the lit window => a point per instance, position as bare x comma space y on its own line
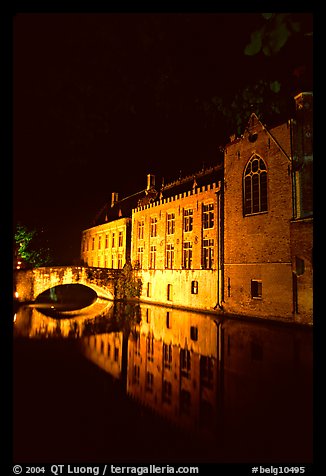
141, 225
187, 254
152, 257
208, 254
169, 292
187, 220
120, 239
170, 223
208, 215
194, 287
153, 227
140, 254
255, 186
169, 256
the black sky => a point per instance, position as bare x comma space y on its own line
101, 100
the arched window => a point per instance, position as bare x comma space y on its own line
255, 186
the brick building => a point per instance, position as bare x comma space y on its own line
267, 226
107, 243
234, 238
175, 242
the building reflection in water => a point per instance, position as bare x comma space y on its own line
240, 384
173, 366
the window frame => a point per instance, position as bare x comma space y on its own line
255, 187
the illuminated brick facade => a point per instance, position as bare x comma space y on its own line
107, 245
175, 245
267, 243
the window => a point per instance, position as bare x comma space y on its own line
98, 262
106, 241
152, 257
112, 261
141, 225
120, 239
153, 227
137, 343
116, 354
140, 254
167, 356
194, 287
119, 261
113, 237
208, 254
169, 256
187, 220
170, 223
93, 243
208, 215
256, 289
99, 242
187, 255
169, 292
255, 186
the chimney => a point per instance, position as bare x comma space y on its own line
150, 181
114, 198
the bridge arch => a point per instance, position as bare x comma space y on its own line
31, 283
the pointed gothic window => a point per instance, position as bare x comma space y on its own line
255, 186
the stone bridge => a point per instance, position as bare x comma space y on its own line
30, 283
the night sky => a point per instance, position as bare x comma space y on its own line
101, 100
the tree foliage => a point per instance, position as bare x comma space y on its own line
29, 249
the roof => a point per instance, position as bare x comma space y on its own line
123, 208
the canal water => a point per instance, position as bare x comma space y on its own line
141, 384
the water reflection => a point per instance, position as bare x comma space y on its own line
243, 389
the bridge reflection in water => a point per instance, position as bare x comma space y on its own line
228, 390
